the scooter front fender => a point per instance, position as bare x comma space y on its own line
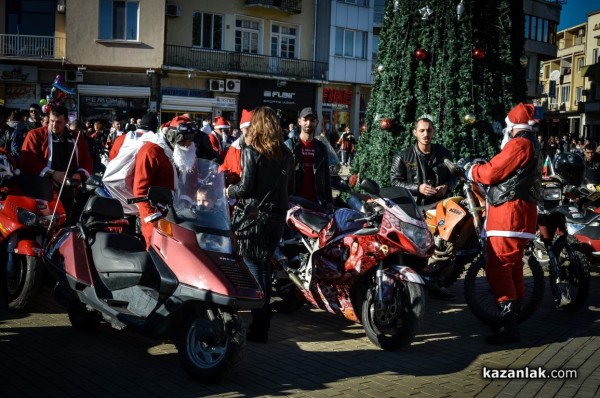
29, 247
404, 273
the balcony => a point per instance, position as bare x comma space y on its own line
24, 46
287, 6
220, 61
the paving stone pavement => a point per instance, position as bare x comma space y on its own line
310, 354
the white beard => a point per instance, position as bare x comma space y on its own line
185, 158
506, 131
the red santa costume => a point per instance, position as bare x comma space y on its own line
216, 140
232, 165
36, 153
510, 224
153, 167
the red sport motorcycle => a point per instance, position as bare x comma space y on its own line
187, 286
357, 265
29, 213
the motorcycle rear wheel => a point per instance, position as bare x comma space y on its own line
208, 349
480, 299
25, 282
396, 325
571, 290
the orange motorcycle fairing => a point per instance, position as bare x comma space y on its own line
454, 215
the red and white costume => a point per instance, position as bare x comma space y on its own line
36, 153
153, 167
510, 224
232, 163
216, 140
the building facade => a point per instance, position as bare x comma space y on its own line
570, 82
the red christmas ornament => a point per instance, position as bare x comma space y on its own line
385, 123
478, 53
421, 54
363, 128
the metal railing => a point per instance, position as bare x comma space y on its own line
26, 46
291, 6
219, 61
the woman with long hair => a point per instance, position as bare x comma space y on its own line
266, 166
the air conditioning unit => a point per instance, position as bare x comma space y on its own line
216, 85
74, 76
173, 10
233, 85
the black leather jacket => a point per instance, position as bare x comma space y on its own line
524, 183
261, 176
411, 168
320, 169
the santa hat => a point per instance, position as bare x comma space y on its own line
246, 117
521, 117
221, 123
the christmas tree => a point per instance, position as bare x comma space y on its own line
457, 62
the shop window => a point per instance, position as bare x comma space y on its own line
118, 20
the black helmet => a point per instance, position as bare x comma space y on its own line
185, 130
570, 167
149, 122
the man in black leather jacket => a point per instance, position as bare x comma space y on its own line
420, 167
311, 174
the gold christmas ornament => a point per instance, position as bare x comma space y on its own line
470, 118
380, 68
524, 60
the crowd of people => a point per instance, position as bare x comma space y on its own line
264, 165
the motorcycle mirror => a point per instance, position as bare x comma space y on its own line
160, 195
370, 186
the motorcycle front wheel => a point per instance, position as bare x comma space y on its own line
394, 324
23, 283
570, 287
208, 349
480, 299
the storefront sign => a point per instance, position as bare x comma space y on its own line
335, 97
18, 73
276, 94
226, 102
103, 101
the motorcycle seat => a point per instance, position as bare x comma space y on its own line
314, 221
119, 253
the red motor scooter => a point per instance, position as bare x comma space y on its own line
187, 287
358, 265
29, 213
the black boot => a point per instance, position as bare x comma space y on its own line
508, 332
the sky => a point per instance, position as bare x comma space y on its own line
576, 11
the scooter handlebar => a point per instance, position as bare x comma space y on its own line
131, 201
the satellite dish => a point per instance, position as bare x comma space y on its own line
555, 75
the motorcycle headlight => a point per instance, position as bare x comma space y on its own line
26, 217
215, 243
552, 194
421, 237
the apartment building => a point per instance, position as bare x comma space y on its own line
125, 57
571, 96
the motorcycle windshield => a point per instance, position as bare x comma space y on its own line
403, 199
200, 197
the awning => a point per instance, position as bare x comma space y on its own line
592, 72
192, 104
114, 91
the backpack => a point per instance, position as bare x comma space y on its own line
119, 173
